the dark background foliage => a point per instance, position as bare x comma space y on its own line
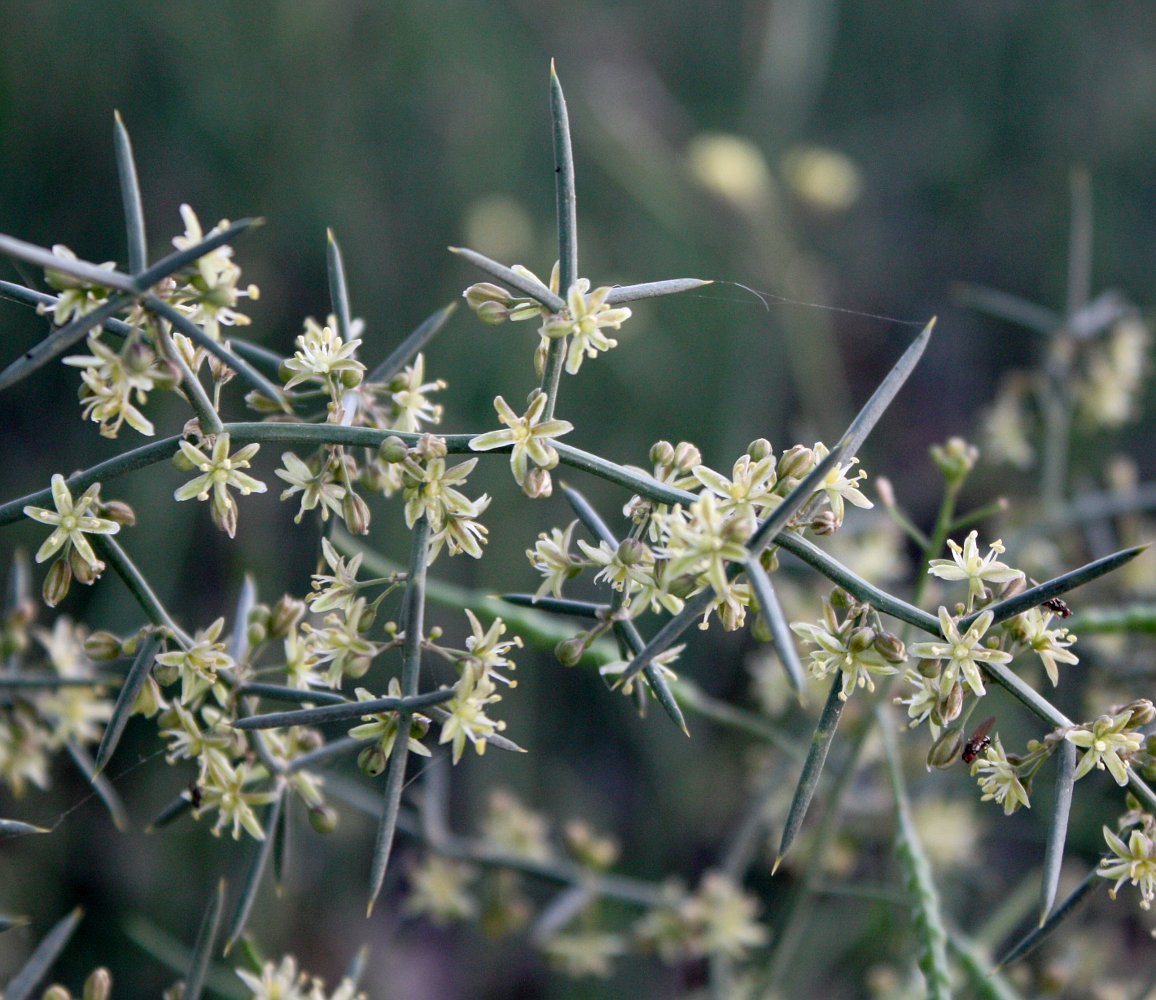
404, 127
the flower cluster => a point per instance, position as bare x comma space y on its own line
283, 981
116, 379
581, 323
861, 651
37, 723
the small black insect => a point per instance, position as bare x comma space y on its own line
1058, 607
978, 741
194, 791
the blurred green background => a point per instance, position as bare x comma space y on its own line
867, 157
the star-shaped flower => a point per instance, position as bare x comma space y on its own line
583, 320
963, 653
967, 564
530, 435
71, 521
219, 470
1134, 860
1107, 743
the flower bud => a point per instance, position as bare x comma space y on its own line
759, 449
102, 646
861, 638
891, 647
484, 292
120, 512
1143, 712
98, 986
760, 630
570, 651
682, 586
930, 668
631, 552
686, 456
148, 700
955, 459
355, 513
492, 313
323, 819
258, 401
662, 454
357, 667
795, 462
945, 749
371, 761
165, 673
56, 992
57, 583
392, 450
256, 633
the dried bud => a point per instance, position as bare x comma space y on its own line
83, 572
662, 454
224, 515
930, 668
826, 522
371, 761
285, 614
355, 513
430, 446
570, 651
538, 484
686, 456
98, 986
1013, 587
947, 709
759, 449
102, 646
57, 583
891, 647
795, 462
120, 512
945, 749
